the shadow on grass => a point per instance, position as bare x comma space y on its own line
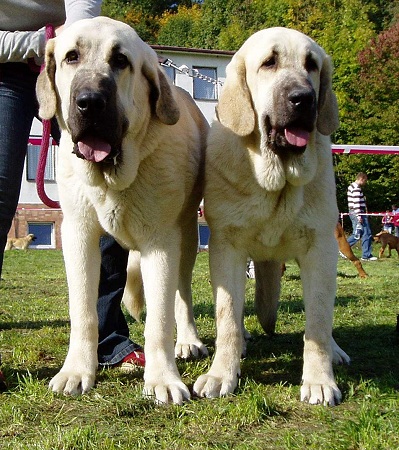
28, 325
373, 351
345, 275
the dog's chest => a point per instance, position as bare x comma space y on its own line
267, 224
122, 217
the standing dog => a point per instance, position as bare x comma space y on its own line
20, 243
130, 164
270, 195
387, 239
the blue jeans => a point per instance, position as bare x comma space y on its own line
365, 235
18, 106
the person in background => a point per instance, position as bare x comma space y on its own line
387, 222
395, 219
358, 215
22, 43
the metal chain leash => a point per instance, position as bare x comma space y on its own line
193, 73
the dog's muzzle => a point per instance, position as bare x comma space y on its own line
95, 123
295, 120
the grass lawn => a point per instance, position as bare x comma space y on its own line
264, 413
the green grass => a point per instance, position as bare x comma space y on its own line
264, 413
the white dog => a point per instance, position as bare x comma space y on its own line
130, 164
270, 195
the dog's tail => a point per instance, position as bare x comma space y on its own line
133, 295
8, 245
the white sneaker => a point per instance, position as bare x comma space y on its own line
372, 258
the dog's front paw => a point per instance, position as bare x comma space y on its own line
194, 349
173, 392
211, 386
321, 394
72, 383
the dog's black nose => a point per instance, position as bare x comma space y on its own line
302, 99
89, 102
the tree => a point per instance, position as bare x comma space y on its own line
373, 116
180, 28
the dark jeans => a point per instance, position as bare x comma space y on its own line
18, 106
365, 235
114, 343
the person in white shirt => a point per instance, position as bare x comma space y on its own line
357, 213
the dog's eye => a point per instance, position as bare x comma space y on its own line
311, 64
72, 57
270, 63
119, 61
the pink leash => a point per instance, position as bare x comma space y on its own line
41, 167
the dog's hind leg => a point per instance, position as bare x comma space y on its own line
267, 293
133, 295
346, 250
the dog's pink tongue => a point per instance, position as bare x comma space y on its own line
297, 136
94, 149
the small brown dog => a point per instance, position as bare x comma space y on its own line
387, 239
20, 243
346, 250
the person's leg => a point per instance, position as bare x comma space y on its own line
352, 239
17, 109
114, 343
367, 239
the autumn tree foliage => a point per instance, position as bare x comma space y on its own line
373, 111
378, 88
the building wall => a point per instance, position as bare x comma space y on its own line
31, 209
28, 213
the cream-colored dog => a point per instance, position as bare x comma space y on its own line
130, 164
20, 243
270, 195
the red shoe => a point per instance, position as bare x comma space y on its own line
132, 362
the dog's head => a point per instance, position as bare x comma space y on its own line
278, 87
31, 237
104, 85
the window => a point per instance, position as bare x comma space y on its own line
44, 233
204, 89
32, 161
170, 72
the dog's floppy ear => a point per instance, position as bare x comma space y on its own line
45, 87
328, 120
235, 110
162, 100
